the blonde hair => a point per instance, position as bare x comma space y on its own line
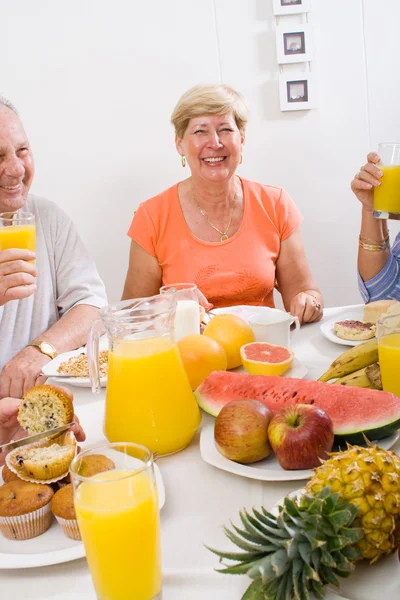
209, 99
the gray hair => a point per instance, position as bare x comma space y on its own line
7, 104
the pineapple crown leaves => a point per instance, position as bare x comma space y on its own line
308, 544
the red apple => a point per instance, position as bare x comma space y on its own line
300, 435
241, 431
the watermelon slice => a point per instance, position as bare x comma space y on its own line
354, 411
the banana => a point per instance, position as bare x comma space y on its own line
368, 377
352, 360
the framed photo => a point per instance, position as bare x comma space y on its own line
296, 91
294, 44
290, 7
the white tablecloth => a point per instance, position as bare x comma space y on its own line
199, 499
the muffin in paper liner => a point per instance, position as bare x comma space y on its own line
30, 525
51, 468
69, 527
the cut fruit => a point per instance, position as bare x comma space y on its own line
260, 358
354, 411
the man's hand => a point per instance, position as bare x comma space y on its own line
22, 372
17, 275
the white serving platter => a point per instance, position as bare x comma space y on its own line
266, 470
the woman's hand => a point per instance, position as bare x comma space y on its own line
307, 307
366, 180
203, 301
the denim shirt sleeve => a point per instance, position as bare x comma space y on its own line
386, 283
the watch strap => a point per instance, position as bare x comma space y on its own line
45, 348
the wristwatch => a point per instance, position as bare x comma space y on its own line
45, 348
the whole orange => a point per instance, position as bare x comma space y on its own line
232, 333
200, 356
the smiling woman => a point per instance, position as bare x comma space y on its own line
236, 239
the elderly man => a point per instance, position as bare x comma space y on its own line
48, 306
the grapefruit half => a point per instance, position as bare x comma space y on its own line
260, 358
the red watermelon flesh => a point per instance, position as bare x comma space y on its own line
352, 410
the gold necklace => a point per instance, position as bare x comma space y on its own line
223, 234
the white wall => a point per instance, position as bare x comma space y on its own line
96, 81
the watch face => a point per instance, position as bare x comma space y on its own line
47, 348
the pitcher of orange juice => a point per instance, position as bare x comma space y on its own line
149, 400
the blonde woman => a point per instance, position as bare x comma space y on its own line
233, 237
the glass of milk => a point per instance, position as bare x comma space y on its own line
187, 315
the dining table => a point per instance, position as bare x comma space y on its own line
199, 500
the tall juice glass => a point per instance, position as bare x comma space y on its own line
17, 230
118, 518
187, 314
387, 195
389, 353
148, 398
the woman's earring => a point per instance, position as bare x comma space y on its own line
183, 160
241, 159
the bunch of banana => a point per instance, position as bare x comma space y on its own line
357, 366
368, 377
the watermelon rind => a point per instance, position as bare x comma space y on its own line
373, 434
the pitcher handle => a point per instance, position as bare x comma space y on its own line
296, 322
93, 355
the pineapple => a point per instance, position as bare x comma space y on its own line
368, 478
317, 538
309, 544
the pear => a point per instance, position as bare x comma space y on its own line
241, 431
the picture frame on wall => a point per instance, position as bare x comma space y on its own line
296, 91
290, 7
294, 44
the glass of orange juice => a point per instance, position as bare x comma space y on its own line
17, 230
389, 352
118, 517
387, 195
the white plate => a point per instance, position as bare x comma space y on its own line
268, 469
53, 546
297, 370
327, 328
51, 368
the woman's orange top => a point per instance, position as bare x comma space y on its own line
240, 270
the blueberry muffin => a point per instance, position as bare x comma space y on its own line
24, 509
62, 507
94, 463
8, 475
44, 407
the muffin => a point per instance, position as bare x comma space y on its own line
44, 407
8, 475
45, 461
62, 507
94, 463
25, 509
